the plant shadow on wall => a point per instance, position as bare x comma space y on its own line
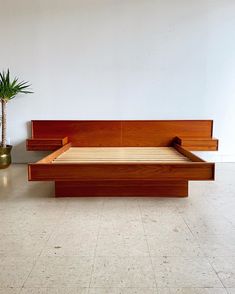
9, 89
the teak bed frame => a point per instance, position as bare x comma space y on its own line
121, 158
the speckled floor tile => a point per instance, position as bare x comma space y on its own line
51, 271
62, 290
173, 244
119, 244
10, 290
192, 291
225, 269
71, 244
123, 272
191, 272
123, 291
15, 270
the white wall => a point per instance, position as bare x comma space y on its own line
121, 59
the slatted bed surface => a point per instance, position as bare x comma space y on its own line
121, 155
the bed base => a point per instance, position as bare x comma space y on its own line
121, 188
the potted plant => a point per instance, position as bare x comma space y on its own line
8, 90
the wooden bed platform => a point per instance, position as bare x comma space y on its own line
121, 158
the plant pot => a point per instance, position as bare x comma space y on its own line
5, 156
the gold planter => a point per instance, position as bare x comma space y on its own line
5, 156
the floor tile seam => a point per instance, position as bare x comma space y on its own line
124, 256
97, 287
33, 266
76, 286
188, 226
96, 245
39, 255
196, 237
192, 287
53, 230
191, 233
152, 266
204, 250
215, 271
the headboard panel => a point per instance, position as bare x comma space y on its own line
108, 133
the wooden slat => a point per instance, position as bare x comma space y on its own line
120, 154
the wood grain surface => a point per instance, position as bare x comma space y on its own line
121, 188
121, 171
121, 155
124, 133
201, 144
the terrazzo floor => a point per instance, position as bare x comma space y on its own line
116, 245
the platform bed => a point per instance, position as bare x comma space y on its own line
121, 158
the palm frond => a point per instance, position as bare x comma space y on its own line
9, 89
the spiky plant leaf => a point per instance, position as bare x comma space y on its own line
9, 89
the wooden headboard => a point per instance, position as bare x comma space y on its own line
126, 133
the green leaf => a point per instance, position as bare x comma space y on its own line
9, 89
